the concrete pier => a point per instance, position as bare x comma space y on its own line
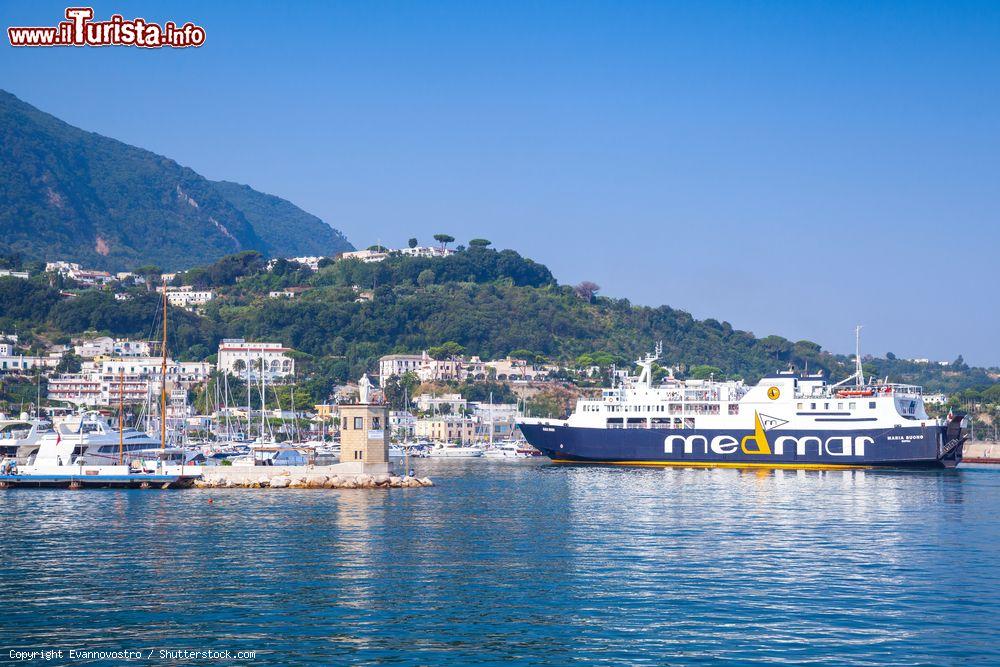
980, 454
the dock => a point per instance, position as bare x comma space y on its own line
77, 481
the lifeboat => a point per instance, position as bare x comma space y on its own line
847, 393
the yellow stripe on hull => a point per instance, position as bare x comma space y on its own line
724, 464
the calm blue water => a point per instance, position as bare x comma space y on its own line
520, 563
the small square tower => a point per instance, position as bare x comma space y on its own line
364, 433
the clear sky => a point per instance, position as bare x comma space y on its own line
792, 168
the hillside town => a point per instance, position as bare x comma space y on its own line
118, 371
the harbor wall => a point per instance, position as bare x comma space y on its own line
981, 452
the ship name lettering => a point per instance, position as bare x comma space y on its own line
841, 445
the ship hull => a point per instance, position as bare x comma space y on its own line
911, 447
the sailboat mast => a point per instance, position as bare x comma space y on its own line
163, 375
121, 416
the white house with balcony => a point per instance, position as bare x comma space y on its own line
237, 355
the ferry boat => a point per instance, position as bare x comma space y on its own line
787, 420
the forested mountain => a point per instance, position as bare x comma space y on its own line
287, 230
488, 303
70, 194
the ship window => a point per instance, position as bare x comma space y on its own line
798, 406
826, 406
852, 406
840, 406
812, 406
871, 405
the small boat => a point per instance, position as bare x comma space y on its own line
445, 451
272, 455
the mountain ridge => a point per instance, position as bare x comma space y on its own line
67, 193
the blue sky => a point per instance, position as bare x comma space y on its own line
792, 168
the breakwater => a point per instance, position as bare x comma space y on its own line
298, 477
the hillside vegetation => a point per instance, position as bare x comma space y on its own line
484, 302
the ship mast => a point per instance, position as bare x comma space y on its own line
859, 376
163, 375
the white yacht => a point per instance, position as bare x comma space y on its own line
511, 449
91, 439
442, 450
82, 456
272, 454
19, 438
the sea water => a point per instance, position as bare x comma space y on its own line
518, 563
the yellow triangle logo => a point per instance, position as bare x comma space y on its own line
759, 437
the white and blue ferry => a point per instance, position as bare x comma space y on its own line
787, 420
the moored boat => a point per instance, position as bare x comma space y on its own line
444, 451
511, 450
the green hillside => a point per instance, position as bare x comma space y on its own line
286, 229
70, 194
488, 303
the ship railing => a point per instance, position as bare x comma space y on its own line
905, 389
888, 389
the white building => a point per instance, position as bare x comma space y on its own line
516, 370
19, 363
935, 399
73, 271
186, 296
136, 379
236, 355
402, 424
398, 365
452, 404
311, 262
287, 293
426, 251
14, 274
77, 388
61, 267
90, 348
448, 429
367, 256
